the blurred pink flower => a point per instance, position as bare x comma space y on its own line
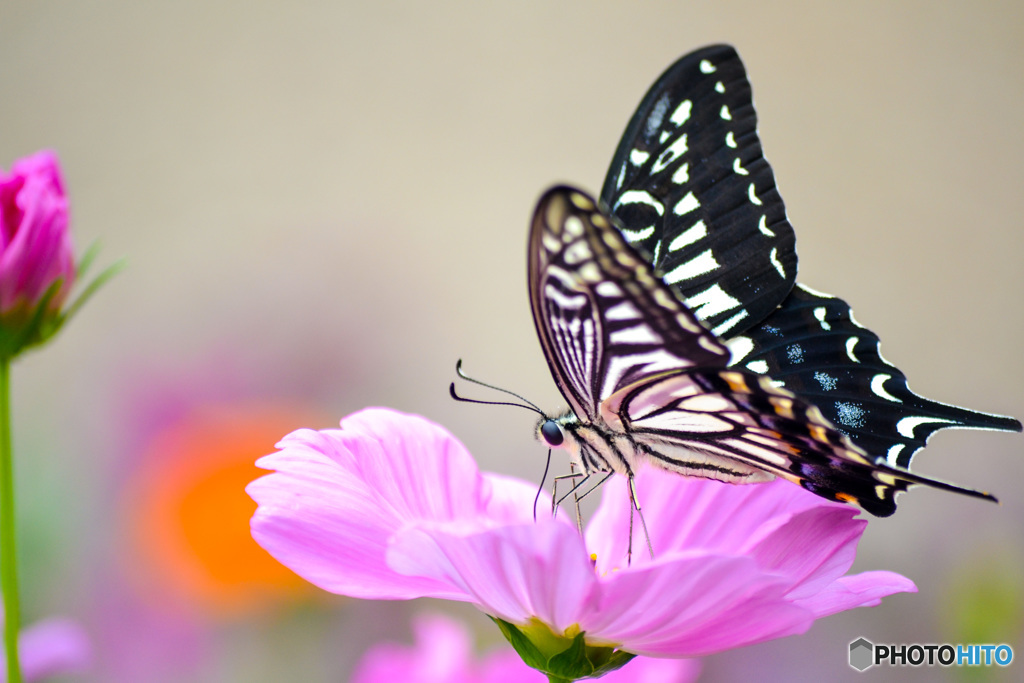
50, 647
443, 654
392, 506
35, 244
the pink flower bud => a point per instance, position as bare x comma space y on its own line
35, 245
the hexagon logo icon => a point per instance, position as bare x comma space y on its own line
862, 654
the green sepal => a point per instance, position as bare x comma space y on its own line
562, 658
21, 332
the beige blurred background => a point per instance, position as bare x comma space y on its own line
327, 202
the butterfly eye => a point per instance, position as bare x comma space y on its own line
552, 433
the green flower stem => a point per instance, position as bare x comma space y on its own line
8, 552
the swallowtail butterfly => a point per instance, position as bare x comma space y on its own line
672, 323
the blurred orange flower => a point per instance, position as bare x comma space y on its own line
188, 513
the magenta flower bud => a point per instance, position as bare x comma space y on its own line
36, 253
37, 260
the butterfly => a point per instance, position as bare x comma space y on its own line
671, 320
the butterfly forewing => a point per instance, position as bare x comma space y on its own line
693, 190
602, 316
813, 347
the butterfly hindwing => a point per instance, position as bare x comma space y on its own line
814, 347
692, 188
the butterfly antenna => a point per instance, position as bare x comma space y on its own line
528, 404
540, 488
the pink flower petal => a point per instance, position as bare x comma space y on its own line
513, 572
337, 497
686, 512
692, 605
859, 590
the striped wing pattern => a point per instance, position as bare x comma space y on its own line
650, 382
692, 188
602, 318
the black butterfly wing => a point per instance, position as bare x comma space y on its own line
813, 346
687, 200
692, 188
603, 319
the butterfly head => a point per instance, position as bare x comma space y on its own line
551, 432
562, 432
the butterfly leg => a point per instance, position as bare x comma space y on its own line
556, 501
634, 504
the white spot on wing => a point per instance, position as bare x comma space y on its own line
641, 197
711, 301
640, 334
639, 157
725, 114
719, 87
739, 348
907, 425
574, 226
682, 174
851, 342
608, 288
622, 176
774, 258
819, 313
682, 113
729, 324
623, 311
762, 225
637, 235
671, 153
686, 205
878, 386
738, 168
753, 195
730, 140
702, 263
706, 67
758, 366
893, 454
689, 236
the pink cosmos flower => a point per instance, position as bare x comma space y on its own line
35, 244
443, 654
392, 506
50, 647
